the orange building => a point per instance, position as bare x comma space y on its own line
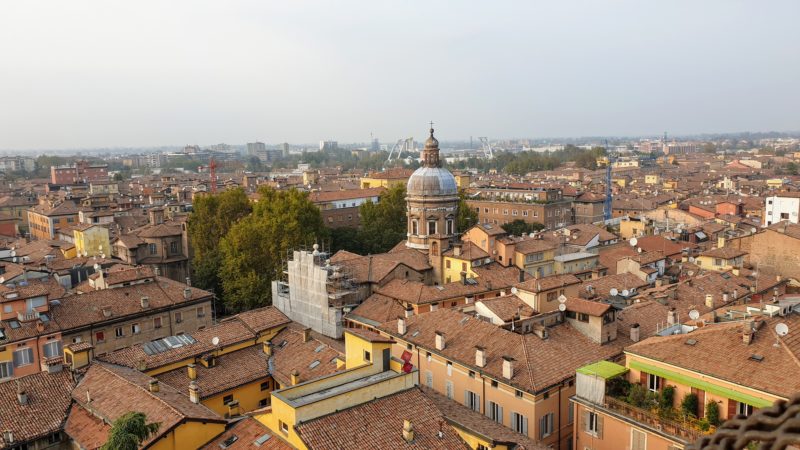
46, 219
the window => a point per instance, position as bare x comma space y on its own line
717, 262
525, 213
505, 212
262, 403
519, 423
156, 322
448, 387
284, 428
429, 379
118, 332
552, 296
494, 384
153, 249
136, 328
52, 349
447, 264
638, 439
593, 423
570, 413
6, 369
414, 226
450, 226
265, 386
201, 312
367, 356
449, 368
582, 317
653, 382
744, 409
227, 399
23, 357
495, 412
178, 317
514, 212
100, 336
431, 227
173, 248
463, 267
546, 425
518, 393
472, 400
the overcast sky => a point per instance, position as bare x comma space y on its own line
141, 73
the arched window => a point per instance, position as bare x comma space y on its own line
450, 227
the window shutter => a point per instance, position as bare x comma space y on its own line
542, 425
477, 405
524, 425
488, 409
732, 404
466, 399
501, 419
585, 421
643, 378
599, 426
17, 359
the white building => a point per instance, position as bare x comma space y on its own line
783, 206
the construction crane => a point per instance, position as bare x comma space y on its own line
212, 170
488, 152
402, 145
607, 203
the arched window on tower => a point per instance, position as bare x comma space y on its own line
431, 227
414, 226
451, 227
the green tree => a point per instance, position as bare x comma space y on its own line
254, 248
709, 147
712, 413
519, 227
129, 431
791, 168
586, 160
384, 224
212, 217
467, 217
689, 404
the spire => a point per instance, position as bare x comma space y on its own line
430, 155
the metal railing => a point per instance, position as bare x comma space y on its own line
680, 430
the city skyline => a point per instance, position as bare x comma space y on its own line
124, 75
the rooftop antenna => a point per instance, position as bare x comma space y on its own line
781, 330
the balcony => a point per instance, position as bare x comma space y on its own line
682, 430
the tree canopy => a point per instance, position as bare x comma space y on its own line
467, 217
383, 224
129, 431
520, 227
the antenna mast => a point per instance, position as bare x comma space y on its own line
607, 203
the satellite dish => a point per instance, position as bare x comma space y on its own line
13, 253
562, 298
753, 230
691, 259
694, 314
614, 292
633, 242
625, 292
97, 267
514, 290
215, 340
639, 249
562, 307
782, 329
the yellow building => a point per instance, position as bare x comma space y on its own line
633, 227
91, 240
652, 179
386, 178
461, 259
721, 259
463, 180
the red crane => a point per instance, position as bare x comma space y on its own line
212, 166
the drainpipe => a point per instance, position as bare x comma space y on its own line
559, 415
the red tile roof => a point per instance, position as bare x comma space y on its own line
48, 402
245, 432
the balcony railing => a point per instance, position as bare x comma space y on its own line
680, 430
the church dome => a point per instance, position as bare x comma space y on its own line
433, 182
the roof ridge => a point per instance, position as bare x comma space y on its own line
527, 361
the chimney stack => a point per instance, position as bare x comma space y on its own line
440, 343
401, 326
194, 392
709, 301
508, 367
22, 396
145, 301
153, 386
187, 293
267, 346
408, 431
409, 312
672, 317
306, 334
106, 311
480, 356
192, 371
635, 332
8, 437
457, 250
295, 377
233, 408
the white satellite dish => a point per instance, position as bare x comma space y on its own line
614, 292
691, 259
215, 340
97, 267
562, 298
694, 314
13, 253
639, 249
625, 292
782, 329
514, 290
562, 307
633, 242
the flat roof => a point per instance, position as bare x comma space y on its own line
342, 388
603, 369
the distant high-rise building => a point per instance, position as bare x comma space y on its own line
285, 149
191, 149
325, 146
255, 148
376, 146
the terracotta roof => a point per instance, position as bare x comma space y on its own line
375, 268
491, 230
649, 314
47, 406
370, 336
608, 256
90, 432
246, 431
347, 428
719, 351
533, 245
592, 308
587, 232
110, 391
724, 253
602, 286
547, 283
507, 307
660, 243
469, 252
157, 231
291, 353
263, 319
376, 309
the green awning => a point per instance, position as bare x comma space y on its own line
700, 384
603, 369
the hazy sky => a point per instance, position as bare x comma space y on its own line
167, 72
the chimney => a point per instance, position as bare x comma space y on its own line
735, 294
295, 377
457, 250
508, 367
194, 392
672, 317
595, 274
408, 431
306, 334
709, 301
409, 312
22, 396
187, 293
635, 332
145, 301
153, 386
747, 332
735, 271
233, 408
267, 346
401, 326
440, 343
192, 371
480, 356
8, 437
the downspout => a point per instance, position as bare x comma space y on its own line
559, 416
